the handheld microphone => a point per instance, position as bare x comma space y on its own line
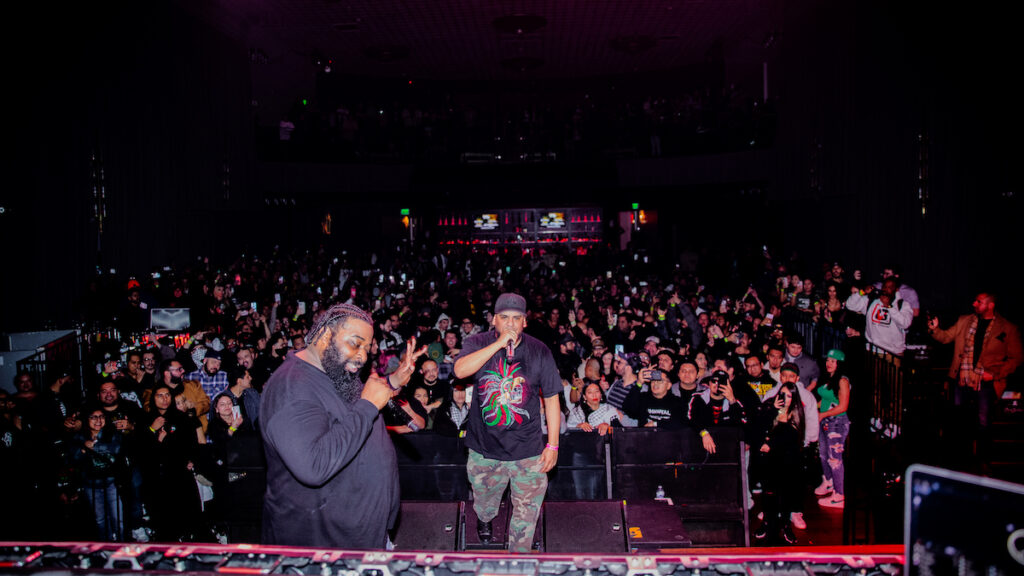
510, 350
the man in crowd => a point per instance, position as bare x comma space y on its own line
887, 317
210, 376
124, 416
248, 358
903, 291
149, 362
512, 372
715, 405
756, 377
437, 389
773, 364
809, 370
687, 385
656, 407
986, 351
332, 473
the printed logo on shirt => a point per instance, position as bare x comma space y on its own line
503, 394
716, 413
762, 388
881, 316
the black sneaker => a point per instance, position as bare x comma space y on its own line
787, 534
485, 531
761, 533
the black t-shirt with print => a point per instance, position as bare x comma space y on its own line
506, 412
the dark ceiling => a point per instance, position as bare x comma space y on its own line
498, 40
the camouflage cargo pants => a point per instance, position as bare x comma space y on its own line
528, 485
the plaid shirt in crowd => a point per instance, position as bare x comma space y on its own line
212, 385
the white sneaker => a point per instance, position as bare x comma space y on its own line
797, 520
824, 488
140, 535
750, 501
833, 501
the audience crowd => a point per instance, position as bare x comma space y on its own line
161, 441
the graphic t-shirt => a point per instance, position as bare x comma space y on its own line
506, 413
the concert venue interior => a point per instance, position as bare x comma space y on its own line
420, 158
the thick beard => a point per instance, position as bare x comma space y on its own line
176, 380
346, 383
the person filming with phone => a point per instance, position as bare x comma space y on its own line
240, 469
657, 408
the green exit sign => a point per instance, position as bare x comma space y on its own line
636, 206
405, 211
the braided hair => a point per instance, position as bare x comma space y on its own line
337, 314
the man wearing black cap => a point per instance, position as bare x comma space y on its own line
511, 372
715, 405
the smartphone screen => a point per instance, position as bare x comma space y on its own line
253, 306
619, 349
236, 411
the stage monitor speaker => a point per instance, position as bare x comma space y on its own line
654, 526
592, 527
430, 526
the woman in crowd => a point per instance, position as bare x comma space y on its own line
453, 415
169, 450
593, 414
701, 358
240, 470
833, 393
780, 440
95, 451
422, 396
607, 360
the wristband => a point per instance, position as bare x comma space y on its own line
703, 433
551, 447
390, 385
232, 428
661, 317
151, 430
861, 292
